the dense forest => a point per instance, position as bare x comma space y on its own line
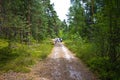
22, 20
26, 27
92, 31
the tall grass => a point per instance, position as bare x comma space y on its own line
20, 57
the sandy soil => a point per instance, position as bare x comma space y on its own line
61, 64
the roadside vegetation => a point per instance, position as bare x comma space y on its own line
26, 27
94, 35
89, 53
21, 57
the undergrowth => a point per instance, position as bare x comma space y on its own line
21, 57
89, 54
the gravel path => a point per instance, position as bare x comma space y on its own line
61, 64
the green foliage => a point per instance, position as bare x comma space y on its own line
24, 23
77, 19
97, 22
83, 50
20, 57
88, 52
103, 66
21, 19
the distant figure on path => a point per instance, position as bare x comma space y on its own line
57, 40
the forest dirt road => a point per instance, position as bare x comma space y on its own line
61, 64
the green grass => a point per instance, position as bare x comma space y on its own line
21, 57
3, 43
